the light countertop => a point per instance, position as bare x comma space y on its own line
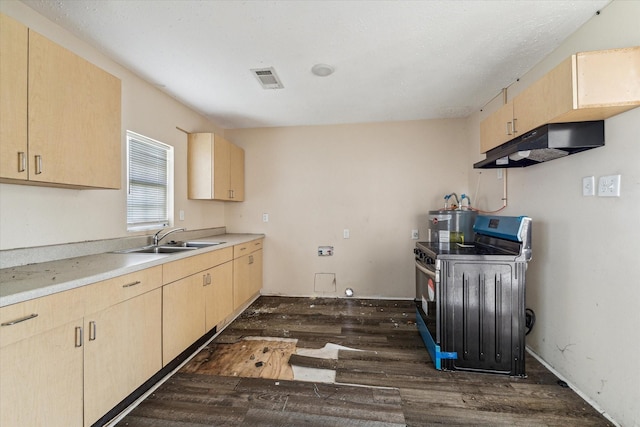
22, 283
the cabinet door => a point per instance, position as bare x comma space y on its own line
221, 171
123, 349
183, 316
236, 170
247, 277
41, 379
256, 272
13, 101
200, 166
497, 128
241, 281
547, 98
218, 294
74, 119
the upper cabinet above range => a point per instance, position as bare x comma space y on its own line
586, 86
60, 115
215, 168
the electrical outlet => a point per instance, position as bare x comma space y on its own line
181, 215
265, 217
415, 235
609, 186
325, 250
345, 233
589, 186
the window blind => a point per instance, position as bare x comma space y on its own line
148, 170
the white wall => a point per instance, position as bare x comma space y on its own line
377, 180
583, 279
36, 216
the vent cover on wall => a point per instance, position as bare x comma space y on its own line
267, 78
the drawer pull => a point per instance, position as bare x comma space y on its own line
243, 249
250, 259
79, 338
128, 285
22, 319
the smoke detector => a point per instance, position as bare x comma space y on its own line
267, 77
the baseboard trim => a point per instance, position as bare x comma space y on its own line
584, 397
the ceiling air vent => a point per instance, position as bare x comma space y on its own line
267, 78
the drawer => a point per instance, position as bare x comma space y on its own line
110, 292
179, 269
247, 248
32, 317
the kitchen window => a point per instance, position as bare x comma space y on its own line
150, 183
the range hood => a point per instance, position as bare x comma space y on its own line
547, 142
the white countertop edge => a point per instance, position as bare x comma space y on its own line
40, 283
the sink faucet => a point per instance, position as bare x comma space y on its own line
156, 238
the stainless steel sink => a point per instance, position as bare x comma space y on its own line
169, 248
157, 250
195, 244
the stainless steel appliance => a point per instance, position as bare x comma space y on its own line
446, 225
470, 298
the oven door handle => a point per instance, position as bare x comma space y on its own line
425, 270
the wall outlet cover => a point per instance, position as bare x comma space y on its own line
609, 186
589, 186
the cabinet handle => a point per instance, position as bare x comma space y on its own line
128, 285
514, 125
38, 164
250, 259
92, 330
206, 279
79, 338
509, 127
243, 249
22, 161
22, 319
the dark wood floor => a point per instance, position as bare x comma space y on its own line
391, 383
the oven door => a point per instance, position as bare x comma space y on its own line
427, 297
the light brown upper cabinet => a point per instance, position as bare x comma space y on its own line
72, 136
584, 87
14, 40
215, 168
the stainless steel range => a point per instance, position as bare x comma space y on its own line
470, 298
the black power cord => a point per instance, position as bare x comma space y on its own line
529, 320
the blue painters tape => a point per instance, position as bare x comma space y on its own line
430, 344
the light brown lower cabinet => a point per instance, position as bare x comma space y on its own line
123, 349
183, 317
41, 381
247, 272
67, 359
218, 295
193, 306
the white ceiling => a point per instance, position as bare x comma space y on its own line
393, 60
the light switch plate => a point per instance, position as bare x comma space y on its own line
589, 186
609, 186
